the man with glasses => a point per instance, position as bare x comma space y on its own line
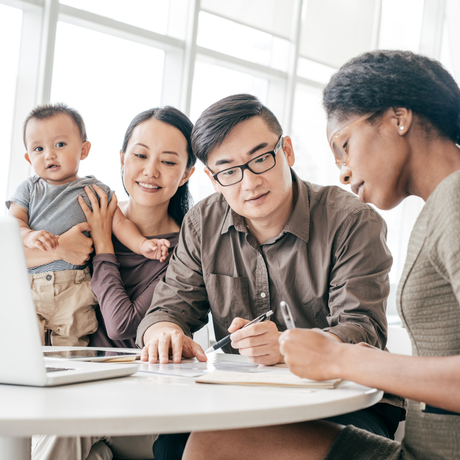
264, 237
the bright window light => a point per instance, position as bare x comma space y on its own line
140, 13
314, 71
314, 159
243, 42
401, 24
10, 33
108, 80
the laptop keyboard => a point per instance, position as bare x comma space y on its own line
58, 369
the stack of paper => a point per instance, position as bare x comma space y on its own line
264, 378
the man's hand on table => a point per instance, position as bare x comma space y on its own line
258, 342
165, 339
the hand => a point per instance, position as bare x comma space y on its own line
259, 342
41, 239
100, 219
155, 249
163, 339
74, 247
311, 353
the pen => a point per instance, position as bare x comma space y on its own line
226, 340
285, 310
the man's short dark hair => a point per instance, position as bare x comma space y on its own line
216, 122
42, 112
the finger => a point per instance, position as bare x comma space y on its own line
145, 353
164, 242
83, 227
102, 196
113, 204
86, 211
163, 348
46, 244
40, 245
254, 330
237, 323
177, 342
92, 198
198, 352
153, 352
51, 241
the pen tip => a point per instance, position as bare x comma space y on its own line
209, 350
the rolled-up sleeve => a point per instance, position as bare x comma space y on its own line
359, 283
180, 297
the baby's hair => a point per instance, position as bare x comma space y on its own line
42, 112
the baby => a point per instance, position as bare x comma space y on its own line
46, 206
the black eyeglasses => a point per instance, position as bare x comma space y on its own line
257, 165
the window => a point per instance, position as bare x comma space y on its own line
10, 32
109, 81
112, 59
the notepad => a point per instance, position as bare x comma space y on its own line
286, 379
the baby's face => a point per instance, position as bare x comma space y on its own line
55, 148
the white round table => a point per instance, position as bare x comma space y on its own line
150, 403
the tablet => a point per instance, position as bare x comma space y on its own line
93, 354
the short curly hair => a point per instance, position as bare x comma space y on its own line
383, 79
42, 112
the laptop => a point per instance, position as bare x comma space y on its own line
21, 353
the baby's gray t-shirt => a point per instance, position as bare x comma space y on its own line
54, 208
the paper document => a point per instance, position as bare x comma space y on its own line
193, 368
269, 377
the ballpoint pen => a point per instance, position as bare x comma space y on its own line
226, 340
286, 312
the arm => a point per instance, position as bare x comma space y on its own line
359, 283
74, 247
433, 380
127, 232
179, 298
121, 314
39, 239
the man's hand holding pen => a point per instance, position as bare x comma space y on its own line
259, 342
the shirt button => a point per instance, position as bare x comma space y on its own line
48, 277
262, 294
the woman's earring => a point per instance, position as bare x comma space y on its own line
401, 128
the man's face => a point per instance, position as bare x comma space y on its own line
258, 197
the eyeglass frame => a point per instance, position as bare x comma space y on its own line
245, 166
334, 139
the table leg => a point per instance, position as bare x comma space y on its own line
15, 448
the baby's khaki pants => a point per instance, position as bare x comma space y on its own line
64, 303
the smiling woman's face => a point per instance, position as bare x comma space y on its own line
377, 156
155, 163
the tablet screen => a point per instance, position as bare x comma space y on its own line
88, 354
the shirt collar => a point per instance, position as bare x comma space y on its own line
298, 223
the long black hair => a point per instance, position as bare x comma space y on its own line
182, 200
379, 80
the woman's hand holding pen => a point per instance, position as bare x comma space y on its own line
312, 353
259, 342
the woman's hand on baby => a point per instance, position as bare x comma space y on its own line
74, 247
156, 249
100, 218
41, 239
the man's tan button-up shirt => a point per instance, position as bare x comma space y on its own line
330, 263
